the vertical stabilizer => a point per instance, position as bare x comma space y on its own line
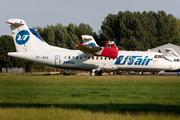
24, 38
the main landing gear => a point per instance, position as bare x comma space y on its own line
112, 73
99, 72
96, 72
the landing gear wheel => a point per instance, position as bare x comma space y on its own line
140, 73
112, 73
92, 74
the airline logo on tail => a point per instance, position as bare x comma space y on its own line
22, 37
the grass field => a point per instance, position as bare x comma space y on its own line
86, 97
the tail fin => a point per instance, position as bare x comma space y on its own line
24, 39
171, 52
88, 40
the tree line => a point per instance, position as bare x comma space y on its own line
129, 30
141, 31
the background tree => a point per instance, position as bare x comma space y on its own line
7, 45
140, 31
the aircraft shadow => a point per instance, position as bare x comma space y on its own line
119, 108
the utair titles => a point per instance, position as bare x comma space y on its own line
133, 60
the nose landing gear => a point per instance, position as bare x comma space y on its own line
99, 72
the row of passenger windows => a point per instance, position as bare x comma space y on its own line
87, 58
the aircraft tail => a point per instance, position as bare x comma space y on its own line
88, 40
171, 52
24, 39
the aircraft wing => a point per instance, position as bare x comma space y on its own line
89, 48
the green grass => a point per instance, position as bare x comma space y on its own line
105, 96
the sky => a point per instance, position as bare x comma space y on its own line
92, 12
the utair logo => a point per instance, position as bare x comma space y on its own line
68, 62
22, 37
133, 60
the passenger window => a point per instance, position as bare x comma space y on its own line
69, 57
92, 58
81, 57
101, 58
96, 58
76, 57
65, 57
84, 57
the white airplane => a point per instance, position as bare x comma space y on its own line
95, 59
174, 57
172, 54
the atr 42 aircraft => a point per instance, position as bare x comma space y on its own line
174, 57
30, 46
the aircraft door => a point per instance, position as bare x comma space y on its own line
130, 60
57, 60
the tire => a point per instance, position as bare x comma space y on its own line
92, 74
111, 73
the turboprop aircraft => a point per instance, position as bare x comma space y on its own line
174, 57
172, 54
30, 47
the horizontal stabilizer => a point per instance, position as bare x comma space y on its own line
88, 48
15, 23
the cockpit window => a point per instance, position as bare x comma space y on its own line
165, 57
161, 56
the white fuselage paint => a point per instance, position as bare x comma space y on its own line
75, 59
